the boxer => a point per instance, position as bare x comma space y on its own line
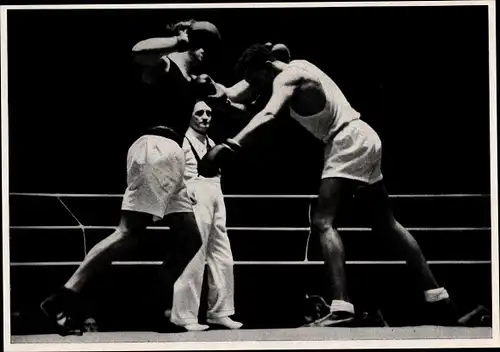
242, 98
352, 164
155, 165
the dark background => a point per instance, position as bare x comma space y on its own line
418, 75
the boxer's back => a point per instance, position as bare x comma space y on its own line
337, 110
164, 102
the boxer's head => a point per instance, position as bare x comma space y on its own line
201, 117
255, 65
204, 38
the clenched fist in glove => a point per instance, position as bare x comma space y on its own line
192, 35
207, 87
213, 94
218, 157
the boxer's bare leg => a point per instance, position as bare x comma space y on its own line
440, 308
132, 226
333, 194
64, 306
384, 224
188, 241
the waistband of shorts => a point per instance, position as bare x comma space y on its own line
199, 179
165, 132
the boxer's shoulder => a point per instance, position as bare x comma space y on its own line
299, 64
294, 75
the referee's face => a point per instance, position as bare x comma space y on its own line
201, 117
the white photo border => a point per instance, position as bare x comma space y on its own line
255, 345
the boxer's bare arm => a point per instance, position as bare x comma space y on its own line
234, 109
156, 44
149, 51
239, 92
242, 108
234, 98
284, 86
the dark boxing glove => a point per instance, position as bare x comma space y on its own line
206, 86
193, 35
203, 34
207, 89
281, 53
218, 157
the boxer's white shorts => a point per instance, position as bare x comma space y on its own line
155, 178
354, 153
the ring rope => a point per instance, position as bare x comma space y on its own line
243, 228
247, 196
309, 214
80, 226
298, 262
243, 196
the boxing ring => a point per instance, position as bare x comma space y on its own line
76, 222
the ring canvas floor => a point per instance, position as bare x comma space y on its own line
300, 334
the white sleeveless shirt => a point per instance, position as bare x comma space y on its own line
337, 111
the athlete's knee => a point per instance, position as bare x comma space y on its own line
118, 240
132, 225
329, 237
125, 237
321, 224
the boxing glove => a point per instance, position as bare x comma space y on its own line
203, 34
281, 53
218, 157
193, 35
206, 86
208, 90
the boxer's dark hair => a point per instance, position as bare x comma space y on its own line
175, 28
253, 58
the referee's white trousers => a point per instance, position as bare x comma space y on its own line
210, 213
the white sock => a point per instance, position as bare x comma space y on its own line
436, 294
341, 306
